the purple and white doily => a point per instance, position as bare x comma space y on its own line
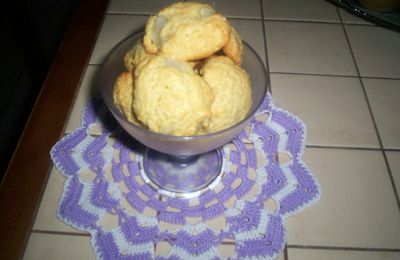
265, 181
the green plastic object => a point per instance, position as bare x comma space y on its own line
389, 19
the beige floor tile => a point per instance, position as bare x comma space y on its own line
46, 218
115, 28
280, 257
308, 48
253, 36
48, 246
311, 10
349, 18
394, 164
376, 50
89, 88
227, 250
318, 254
137, 6
236, 8
357, 206
384, 96
334, 109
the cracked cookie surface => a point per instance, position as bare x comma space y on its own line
170, 98
186, 31
231, 87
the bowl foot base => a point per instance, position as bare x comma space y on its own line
182, 176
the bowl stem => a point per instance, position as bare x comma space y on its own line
182, 175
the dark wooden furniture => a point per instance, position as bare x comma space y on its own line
27, 173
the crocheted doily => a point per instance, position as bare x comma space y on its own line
265, 181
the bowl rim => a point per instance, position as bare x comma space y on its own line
175, 138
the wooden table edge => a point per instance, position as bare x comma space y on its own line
27, 173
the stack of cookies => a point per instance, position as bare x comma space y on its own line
184, 77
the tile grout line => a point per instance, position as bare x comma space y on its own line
265, 46
64, 233
317, 22
353, 148
371, 113
285, 252
298, 21
345, 147
391, 150
329, 75
344, 248
301, 74
250, 18
153, 13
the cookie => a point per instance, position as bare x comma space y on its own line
186, 31
234, 48
135, 55
123, 96
170, 98
138, 53
231, 87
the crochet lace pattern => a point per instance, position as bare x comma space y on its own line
265, 181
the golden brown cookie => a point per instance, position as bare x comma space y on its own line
138, 53
135, 55
170, 98
232, 92
186, 31
123, 96
234, 48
